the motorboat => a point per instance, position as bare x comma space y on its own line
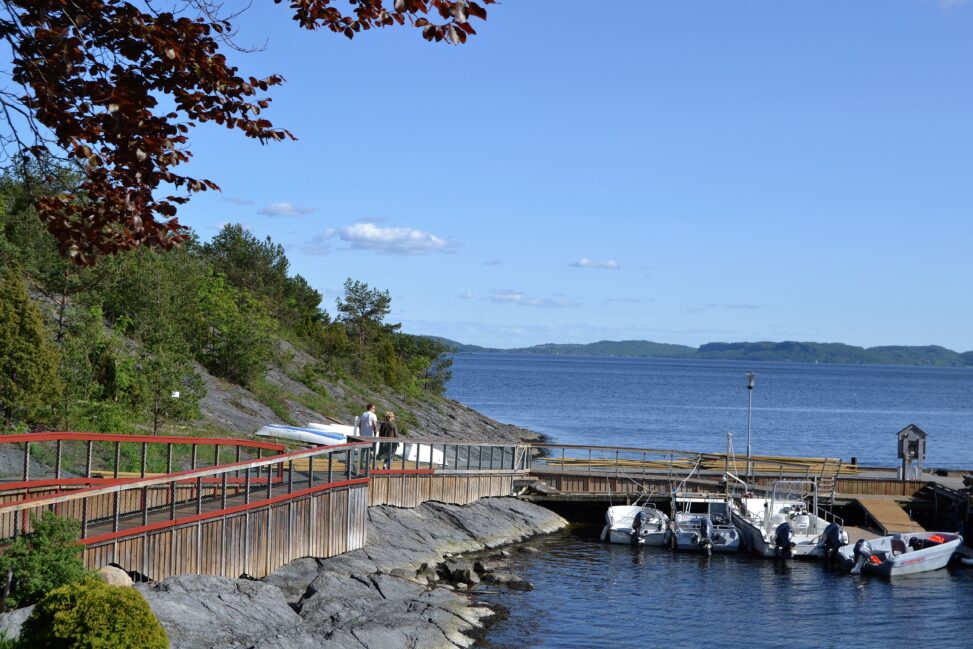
635, 525
702, 524
900, 554
788, 523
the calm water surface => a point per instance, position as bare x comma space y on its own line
798, 409
590, 594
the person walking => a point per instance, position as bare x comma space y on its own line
387, 428
368, 422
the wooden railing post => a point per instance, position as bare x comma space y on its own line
57, 461
87, 465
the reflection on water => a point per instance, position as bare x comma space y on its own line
590, 594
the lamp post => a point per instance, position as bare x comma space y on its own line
750, 381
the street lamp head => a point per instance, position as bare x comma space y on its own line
751, 377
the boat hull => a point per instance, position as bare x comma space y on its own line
894, 561
620, 523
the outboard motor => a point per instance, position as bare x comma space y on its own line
706, 534
835, 537
863, 553
784, 540
637, 527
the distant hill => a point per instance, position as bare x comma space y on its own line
788, 351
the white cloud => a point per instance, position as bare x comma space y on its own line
522, 299
608, 264
466, 295
368, 236
284, 209
948, 5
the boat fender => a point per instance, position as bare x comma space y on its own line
935, 538
784, 540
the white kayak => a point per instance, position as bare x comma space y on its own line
323, 434
900, 554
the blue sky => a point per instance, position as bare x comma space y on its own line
674, 171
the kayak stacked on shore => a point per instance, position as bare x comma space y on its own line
783, 525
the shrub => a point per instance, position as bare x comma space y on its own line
48, 557
90, 614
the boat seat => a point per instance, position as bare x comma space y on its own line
899, 547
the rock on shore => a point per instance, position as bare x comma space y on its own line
369, 598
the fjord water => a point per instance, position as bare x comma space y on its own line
590, 594
841, 411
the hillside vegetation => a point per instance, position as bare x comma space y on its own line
789, 351
214, 336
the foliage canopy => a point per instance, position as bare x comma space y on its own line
45, 559
113, 87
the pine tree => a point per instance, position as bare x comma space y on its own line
28, 361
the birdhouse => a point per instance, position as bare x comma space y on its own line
912, 451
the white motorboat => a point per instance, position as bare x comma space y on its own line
900, 554
703, 524
788, 523
635, 525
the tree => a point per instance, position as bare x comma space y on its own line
362, 309
114, 88
47, 557
28, 362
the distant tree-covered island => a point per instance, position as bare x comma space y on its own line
787, 351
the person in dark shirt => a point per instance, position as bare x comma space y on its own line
387, 428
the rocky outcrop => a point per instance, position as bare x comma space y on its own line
232, 407
378, 597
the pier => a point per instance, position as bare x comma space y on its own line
163, 506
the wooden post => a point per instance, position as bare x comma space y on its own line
26, 461
192, 461
118, 457
145, 457
169, 458
310, 471
87, 466
57, 461
199, 496
330, 466
145, 506
223, 498
290, 476
348, 464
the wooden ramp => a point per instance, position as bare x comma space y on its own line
888, 516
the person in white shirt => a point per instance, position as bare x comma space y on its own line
368, 422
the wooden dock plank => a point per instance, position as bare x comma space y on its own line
888, 515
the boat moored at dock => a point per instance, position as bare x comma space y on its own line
702, 524
900, 554
788, 523
635, 525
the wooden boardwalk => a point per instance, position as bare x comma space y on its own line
244, 517
887, 515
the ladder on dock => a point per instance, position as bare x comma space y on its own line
888, 516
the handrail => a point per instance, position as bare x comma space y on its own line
21, 438
124, 484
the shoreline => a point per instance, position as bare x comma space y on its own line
407, 587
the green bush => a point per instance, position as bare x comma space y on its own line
48, 557
90, 614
